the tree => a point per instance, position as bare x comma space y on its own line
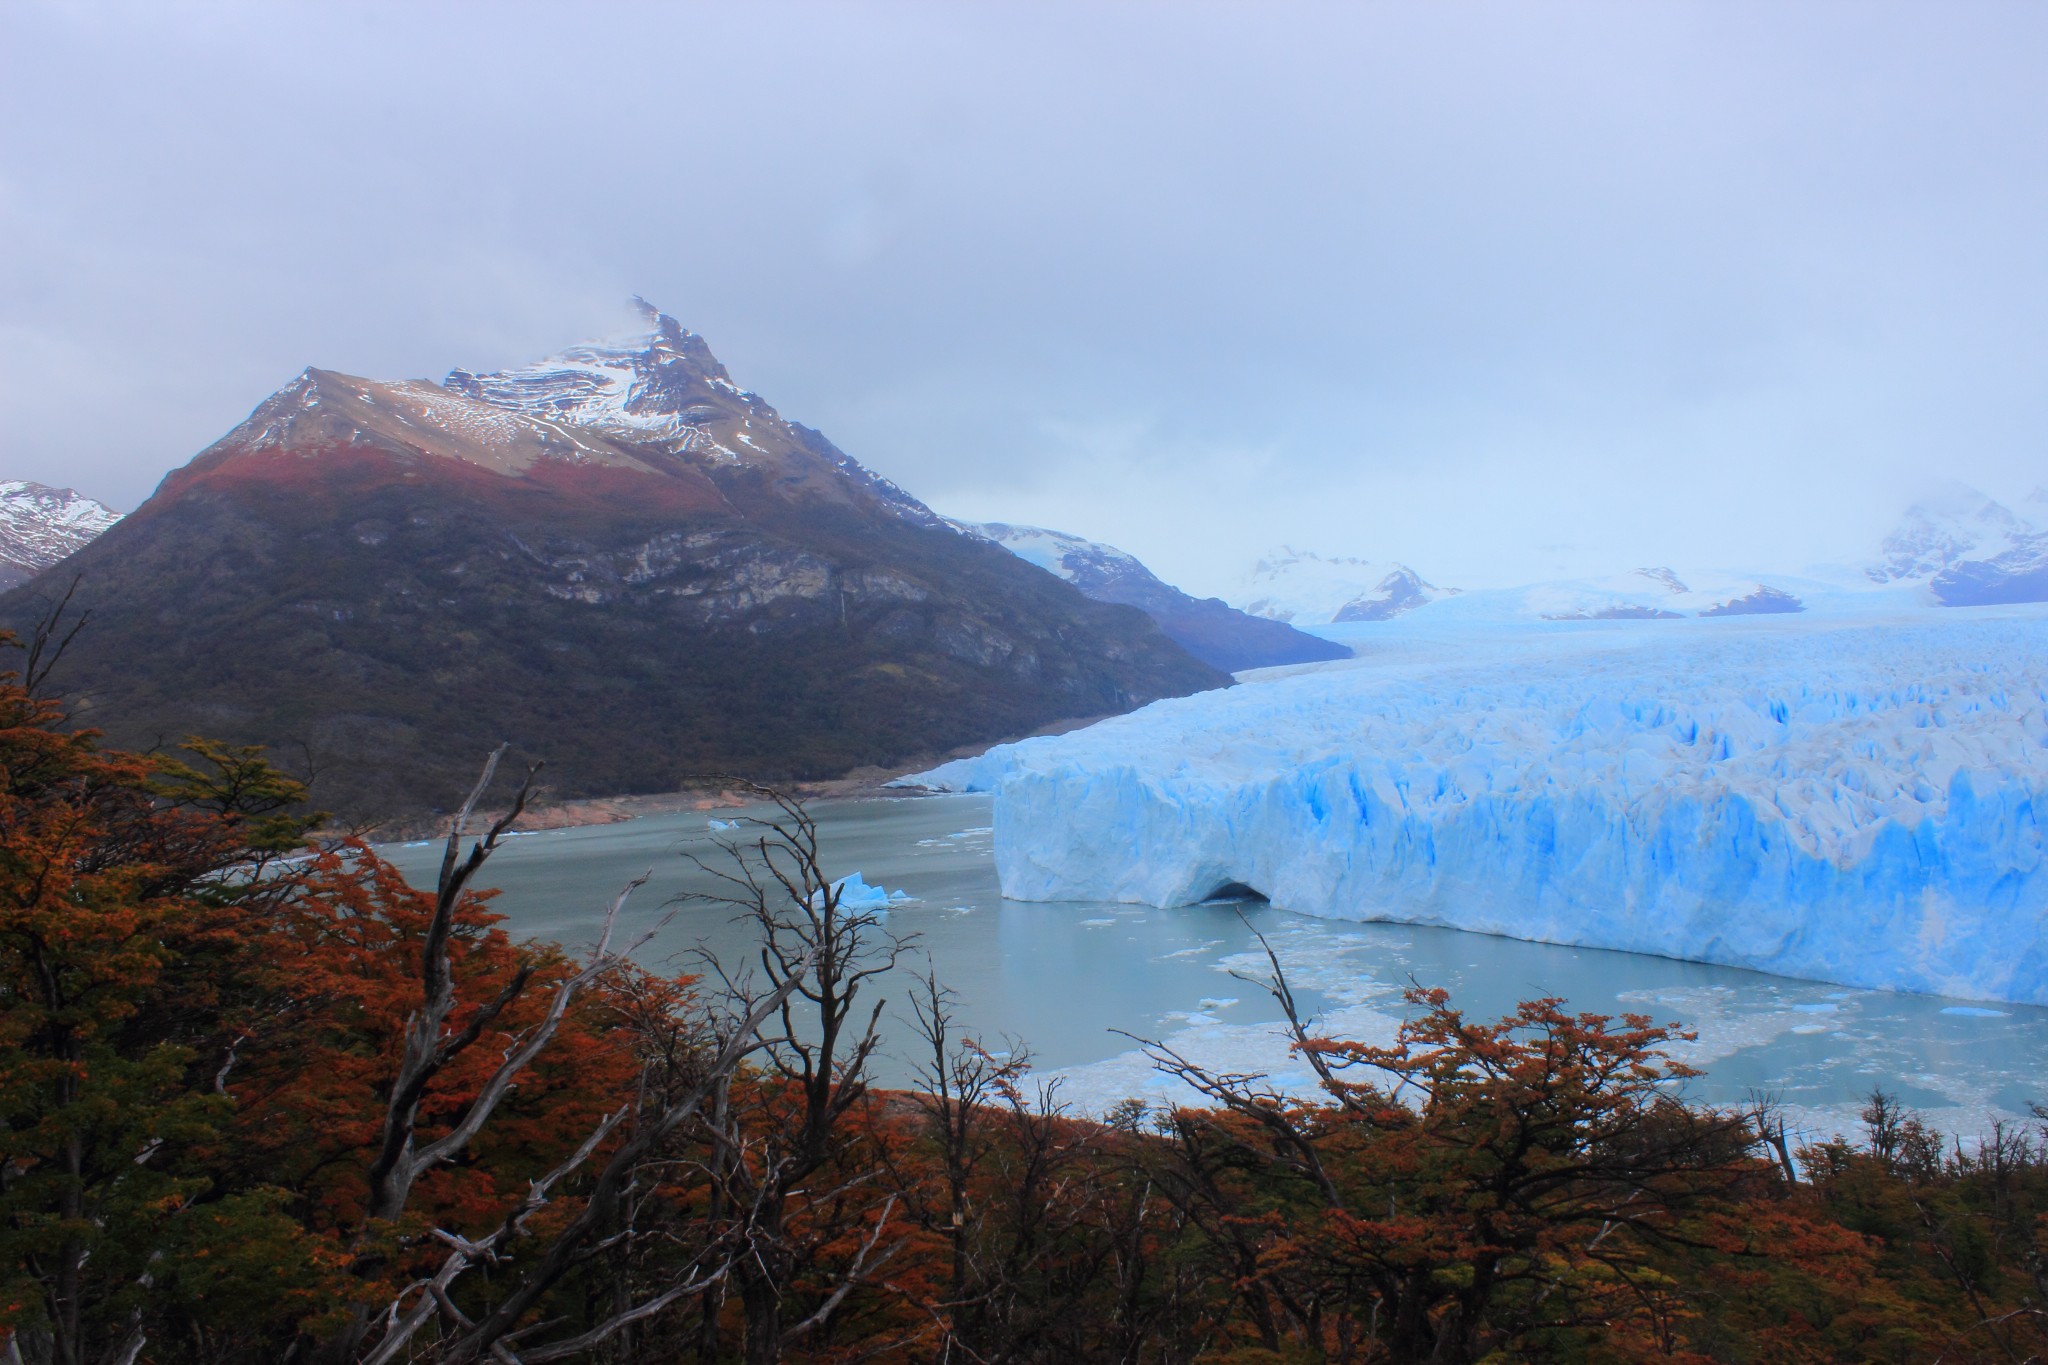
1469, 1188
797, 1193
127, 884
441, 1094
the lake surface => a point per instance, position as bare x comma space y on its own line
1063, 978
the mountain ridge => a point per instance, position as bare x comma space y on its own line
1208, 628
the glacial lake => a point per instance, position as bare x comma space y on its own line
1064, 978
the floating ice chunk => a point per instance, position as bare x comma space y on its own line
722, 824
1973, 1012
855, 894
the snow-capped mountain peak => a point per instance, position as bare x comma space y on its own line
660, 380
1306, 588
658, 386
40, 525
1952, 524
1970, 550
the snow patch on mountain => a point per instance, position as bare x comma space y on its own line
1070, 557
1848, 801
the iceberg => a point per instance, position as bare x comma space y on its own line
1858, 801
855, 894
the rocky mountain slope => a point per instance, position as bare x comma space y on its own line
617, 559
39, 525
1208, 628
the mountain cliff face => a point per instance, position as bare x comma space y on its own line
39, 525
616, 559
1214, 632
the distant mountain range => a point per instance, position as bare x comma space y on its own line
624, 562
40, 525
616, 558
1208, 628
1954, 548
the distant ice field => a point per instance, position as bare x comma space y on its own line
1849, 796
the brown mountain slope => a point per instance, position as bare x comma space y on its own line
614, 559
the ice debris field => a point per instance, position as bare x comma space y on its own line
1857, 802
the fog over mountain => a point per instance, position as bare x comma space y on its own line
1505, 293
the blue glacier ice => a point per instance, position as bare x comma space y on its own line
1856, 801
856, 895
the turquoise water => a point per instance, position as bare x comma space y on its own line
1071, 980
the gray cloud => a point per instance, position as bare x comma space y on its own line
1501, 290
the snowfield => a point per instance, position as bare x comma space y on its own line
1855, 800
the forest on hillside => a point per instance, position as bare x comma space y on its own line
266, 1101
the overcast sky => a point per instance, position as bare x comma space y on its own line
1502, 291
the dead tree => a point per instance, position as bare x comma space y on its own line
497, 1335
431, 1045
1034, 1231
785, 1143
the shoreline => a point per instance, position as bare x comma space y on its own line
869, 783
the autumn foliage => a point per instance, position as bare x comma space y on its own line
207, 1022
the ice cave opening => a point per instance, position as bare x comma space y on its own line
1235, 891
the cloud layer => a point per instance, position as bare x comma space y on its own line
1503, 291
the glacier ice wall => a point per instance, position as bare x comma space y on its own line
1860, 803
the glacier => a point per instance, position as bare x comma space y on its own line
1856, 800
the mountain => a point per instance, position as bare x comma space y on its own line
40, 525
1659, 594
1208, 628
1953, 524
1309, 589
616, 559
1969, 549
